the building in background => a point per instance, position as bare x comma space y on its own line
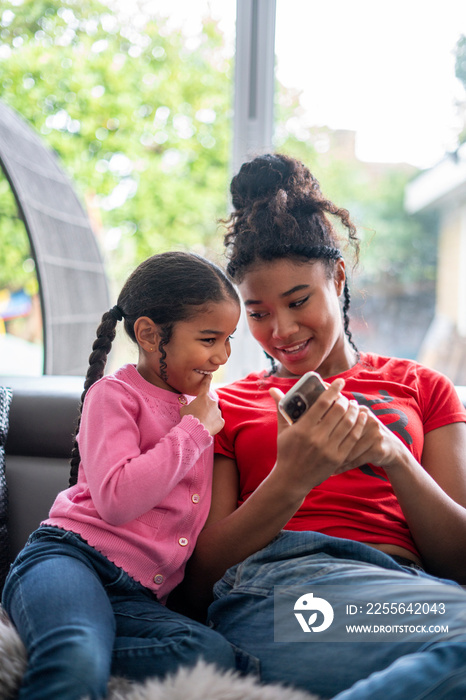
441, 192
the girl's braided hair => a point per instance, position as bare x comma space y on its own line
166, 288
279, 212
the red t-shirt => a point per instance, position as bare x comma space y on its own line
407, 397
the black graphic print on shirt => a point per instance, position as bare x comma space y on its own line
398, 427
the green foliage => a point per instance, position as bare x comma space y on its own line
140, 118
16, 266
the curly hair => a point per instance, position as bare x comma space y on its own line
167, 288
279, 212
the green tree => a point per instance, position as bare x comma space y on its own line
140, 117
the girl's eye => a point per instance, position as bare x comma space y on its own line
300, 302
208, 341
257, 315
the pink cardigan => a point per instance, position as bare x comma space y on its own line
144, 486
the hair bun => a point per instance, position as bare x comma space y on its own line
260, 178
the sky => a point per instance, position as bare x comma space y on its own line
384, 69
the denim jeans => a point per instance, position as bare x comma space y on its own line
82, 619
410, 669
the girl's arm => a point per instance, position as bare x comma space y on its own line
129, 473
432, 495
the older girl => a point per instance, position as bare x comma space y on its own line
367, 487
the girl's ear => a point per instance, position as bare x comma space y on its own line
340, 276
147, 334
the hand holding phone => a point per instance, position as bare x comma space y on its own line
320, 445
301, 396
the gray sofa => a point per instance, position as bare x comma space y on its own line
42, 421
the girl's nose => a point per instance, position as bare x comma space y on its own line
284, 327
221, 355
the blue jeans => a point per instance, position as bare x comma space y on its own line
410, 669
82, 619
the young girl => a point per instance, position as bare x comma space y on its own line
87, 592
365, 490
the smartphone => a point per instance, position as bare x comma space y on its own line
301, 396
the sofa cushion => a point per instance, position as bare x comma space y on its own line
33, 483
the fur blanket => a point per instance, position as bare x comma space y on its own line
203, 682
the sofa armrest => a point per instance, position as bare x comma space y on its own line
42, 422
43, 414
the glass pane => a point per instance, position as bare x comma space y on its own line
21, 345
367, 97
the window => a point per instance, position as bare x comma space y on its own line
367, 97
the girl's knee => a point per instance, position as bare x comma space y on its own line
75, 665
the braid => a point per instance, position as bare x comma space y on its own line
97, 360
165, 335
346, 305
